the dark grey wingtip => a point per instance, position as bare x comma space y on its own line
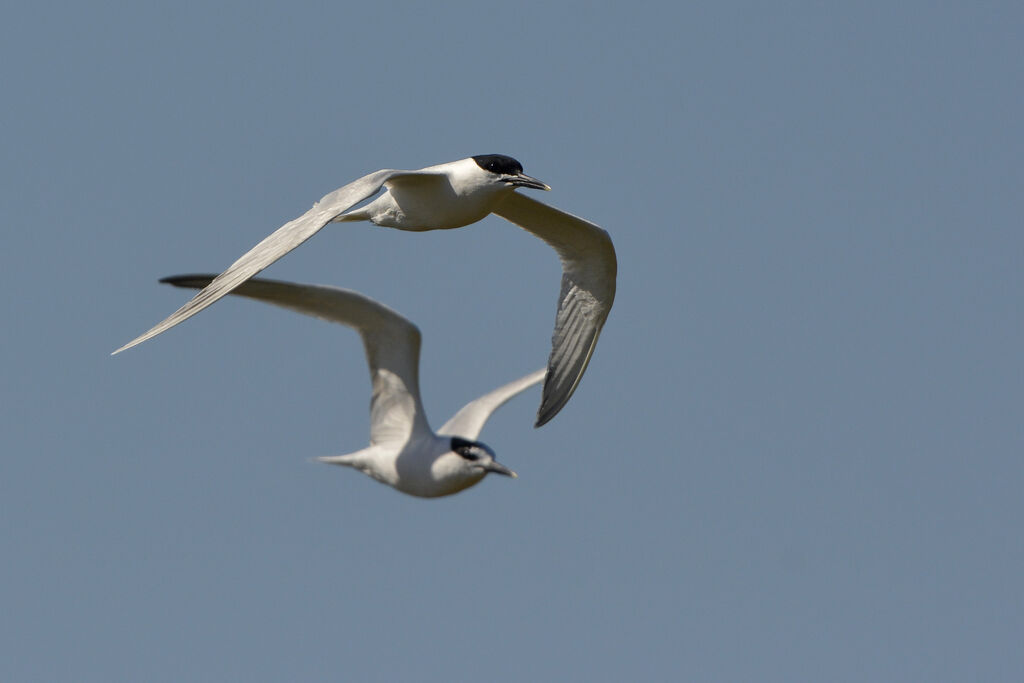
543, 417
188, 281
549, 407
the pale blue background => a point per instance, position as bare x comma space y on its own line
797, 454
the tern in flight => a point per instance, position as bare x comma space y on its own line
404, 452
448, 196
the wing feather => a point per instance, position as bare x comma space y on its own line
589, 269
273, 247
391, 342
470, 419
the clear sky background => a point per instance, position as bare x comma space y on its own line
797, 455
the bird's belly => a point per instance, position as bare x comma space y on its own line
420, 211
416, 220
434, 489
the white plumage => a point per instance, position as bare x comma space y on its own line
448, 196
404, 452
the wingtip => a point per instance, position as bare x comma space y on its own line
547, 412
553, 398
133, 342
188, 280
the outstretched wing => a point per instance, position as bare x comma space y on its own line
392, 345
273, 247
470, 419
588, 290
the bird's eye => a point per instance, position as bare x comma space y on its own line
466, 449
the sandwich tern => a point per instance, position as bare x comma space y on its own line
404, 452
453, 195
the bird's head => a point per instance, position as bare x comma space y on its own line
478, 457
508, 171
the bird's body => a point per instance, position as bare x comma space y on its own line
447, 196
441, 197
426, 467
404, 452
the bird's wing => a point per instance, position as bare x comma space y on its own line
588, 290
470, 420
392, 345
273, 247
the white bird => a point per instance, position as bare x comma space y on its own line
404, 452
453, 195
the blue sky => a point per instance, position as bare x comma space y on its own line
797, 453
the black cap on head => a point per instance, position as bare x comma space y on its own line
470, 450
498, 163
